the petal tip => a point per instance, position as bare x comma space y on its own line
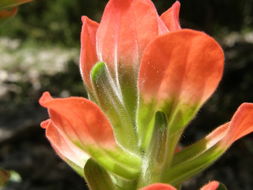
46, 97
177, 4
159, 186
246, 105
87, 20
213, 185
44, 124
84, 19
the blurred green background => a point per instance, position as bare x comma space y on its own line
39, 50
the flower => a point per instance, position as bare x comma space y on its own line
146, 78
78, 129
213, 185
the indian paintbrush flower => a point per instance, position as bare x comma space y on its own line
146, 78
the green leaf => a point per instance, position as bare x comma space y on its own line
157, 158
178, 117
109, 98
112, 162
156, 155
201, 146
185, 170
97, 177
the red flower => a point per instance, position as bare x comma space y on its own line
148, 79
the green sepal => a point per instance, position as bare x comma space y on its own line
178, 117
97, 70
109, 159
156, 155
187, 169
127, 81
109, 98
190, 152
194, 150
97, 177
160, 152
124, 184
145, 124
75, 167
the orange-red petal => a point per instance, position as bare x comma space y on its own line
159, 186
88, 56
216, 135
241, 124
186, 65
127, 26
171, 17
80, 120
63, 146
213, 185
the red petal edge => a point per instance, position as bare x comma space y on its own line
79, 119
88, 56
185, 64
125, 30
171, 17
159, 186
241, 124
213, 185
63, 146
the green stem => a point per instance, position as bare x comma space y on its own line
158, 158
154, 157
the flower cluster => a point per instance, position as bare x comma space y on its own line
146, 78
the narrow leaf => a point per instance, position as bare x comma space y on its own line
109, 99
97, 177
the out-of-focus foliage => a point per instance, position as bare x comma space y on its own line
4, 177
6, 4
8, 176
6, 14
9, 8
218, 17
57, 21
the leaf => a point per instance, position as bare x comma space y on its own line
97, 177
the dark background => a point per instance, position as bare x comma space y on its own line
39, 51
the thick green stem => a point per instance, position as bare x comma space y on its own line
159, 155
